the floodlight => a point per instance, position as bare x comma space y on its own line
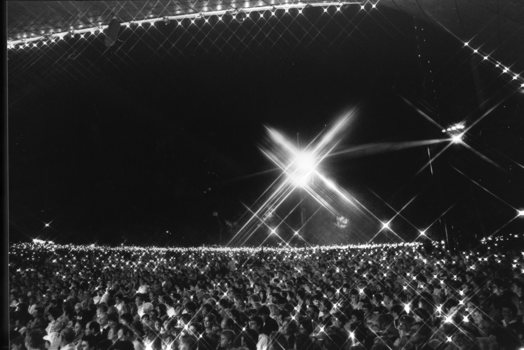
456, 139
303, 166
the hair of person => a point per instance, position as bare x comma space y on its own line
258, 320
35, 339
68, 335
190, 341
94, 326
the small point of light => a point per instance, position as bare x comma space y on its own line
449, 339
296, 233
475, 51
520, 212
47, 224
362, 7
385, 225
485, 58
422, 232
273, 231
374, 6
325, 9
466, 43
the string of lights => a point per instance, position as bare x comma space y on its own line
488, 58
31, 40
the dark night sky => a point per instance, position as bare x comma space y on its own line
121, 144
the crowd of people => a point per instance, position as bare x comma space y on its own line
403, 296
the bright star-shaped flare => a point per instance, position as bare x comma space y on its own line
457, 139
300, 170
385, 225
520, 212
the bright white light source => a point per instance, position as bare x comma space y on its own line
520, 212
273, 231
407, 308
457, 139
422, 232
47, 224
296, 233
303, 167
385, 225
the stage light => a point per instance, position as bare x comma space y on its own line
449, 339
422, 232
520, 212
296, 233
485, 58
457, 139
385, 225
47, 224
303, 168
273, 231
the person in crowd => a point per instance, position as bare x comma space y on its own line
34, 340
67, 336
227, 338
256, 323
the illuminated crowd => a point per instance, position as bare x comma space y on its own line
405, 296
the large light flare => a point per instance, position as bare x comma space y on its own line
300, 167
